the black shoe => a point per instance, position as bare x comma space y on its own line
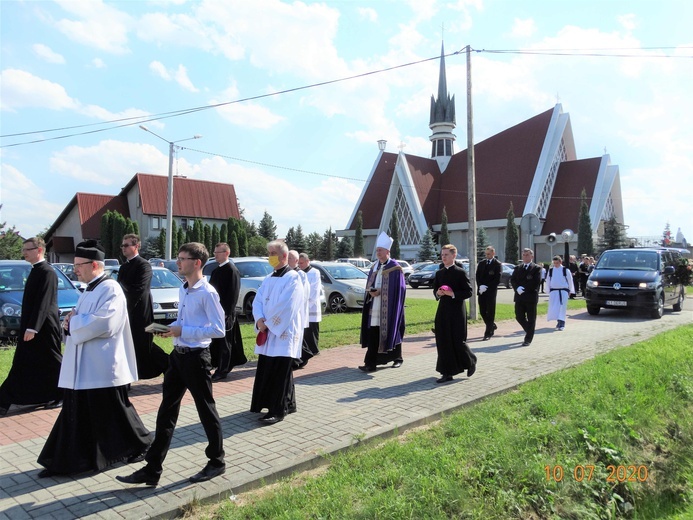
471, 370
4, 410
141, 476
526, 343
397, 363
54, 404
208, 473
366, 368
291, 410
139, 457
218, 376
444, 379
45, 473
271, 419
495, 326
486, 337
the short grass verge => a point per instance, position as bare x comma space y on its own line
611, 438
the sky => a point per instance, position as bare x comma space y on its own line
78, 77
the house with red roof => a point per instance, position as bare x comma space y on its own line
532, 165
143, 199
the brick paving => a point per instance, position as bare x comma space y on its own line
337, 406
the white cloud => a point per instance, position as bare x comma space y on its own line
47, 54
30, 213
247, 114
98, 63
524, 28
95, 25
159, 69
21, 89
628, 22
367, 13
182, 79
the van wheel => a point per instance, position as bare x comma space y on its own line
658, 312
679, 304
593, 310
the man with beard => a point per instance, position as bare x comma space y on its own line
33, 378
451, 287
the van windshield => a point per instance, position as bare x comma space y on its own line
631, 260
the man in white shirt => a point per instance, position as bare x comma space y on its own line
278, 310
200, 318
311, 335
559, 283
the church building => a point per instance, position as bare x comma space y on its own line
532, 165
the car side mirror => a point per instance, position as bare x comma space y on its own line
669, 270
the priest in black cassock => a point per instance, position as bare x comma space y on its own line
451, 288
33, 377
135, 277
227, 352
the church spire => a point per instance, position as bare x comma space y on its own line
442, 121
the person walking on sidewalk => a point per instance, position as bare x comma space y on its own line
382, 320
451, 288
559, 283
98, 425
33, 377
525, 281
279, 312
311, 335
488, 273
200, 318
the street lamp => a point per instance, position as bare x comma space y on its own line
169, 203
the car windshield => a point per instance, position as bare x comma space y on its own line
429, 267
254, 269
629, 259
164, 279
345, 272
13, 277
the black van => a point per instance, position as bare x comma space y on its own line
636, 278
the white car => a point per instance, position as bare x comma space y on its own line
345, 285
406, 268
165, 292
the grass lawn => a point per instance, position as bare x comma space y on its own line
611, 438
339, 329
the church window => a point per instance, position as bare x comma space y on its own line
448, 147
545, 197
408, 234
441, 148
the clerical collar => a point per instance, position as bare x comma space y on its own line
96, 281
37, 263
281, 271
449, 266
223, 263
307, 268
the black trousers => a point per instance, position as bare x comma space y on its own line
311, 336
526, 316
190, 371
487, 309
373, 357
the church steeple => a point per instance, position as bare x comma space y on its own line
442, 122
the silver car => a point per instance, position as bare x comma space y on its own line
344, 284
165, 292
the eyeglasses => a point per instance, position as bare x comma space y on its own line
82, 263
24, 249
182, 259
123, 246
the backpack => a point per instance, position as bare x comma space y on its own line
564, 272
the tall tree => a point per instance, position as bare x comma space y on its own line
313, 243
150, 247
427, 250
119, 224
243, 243
345, 249
224, 233
359, 251
614, 236
394, 234
267, 227
129, 227
481, 242
512, 237
208, 238
233, 244
215, 235
444, 235
136, 228
585, 241
107, 233
10, 243
180, 240
299, 240
174, 240
161, 242
328, 247
257, 246
198, 233
290, 238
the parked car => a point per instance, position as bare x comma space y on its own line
638, 279
506, 273
362, 263
111, 262
406, 268
344, 284
419, 265
424, 276
69, 270
171, 265
253, 270
13, 275
165, 292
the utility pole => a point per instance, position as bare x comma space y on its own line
471, 189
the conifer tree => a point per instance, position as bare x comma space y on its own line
174, 240
161, 242
208, 238
299, 240
233, 245
243, 243
215, 235
358, 237
585, 241
267, 227
224, 233
444, 235
481, 242
512, 236
313, 243
345, 249
614, 236
107, 233
329, 245
394, 235
427, 250
290, 238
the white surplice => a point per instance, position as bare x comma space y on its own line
560, 288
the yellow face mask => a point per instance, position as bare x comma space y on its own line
273, 261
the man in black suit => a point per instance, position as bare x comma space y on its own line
488, 273
227, 352
33, 377
525, 280
135, 277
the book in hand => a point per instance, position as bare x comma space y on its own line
156, 328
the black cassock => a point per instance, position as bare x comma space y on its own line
135, 277
33, 378
227, 352
454, 356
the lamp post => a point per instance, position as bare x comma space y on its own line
169, 202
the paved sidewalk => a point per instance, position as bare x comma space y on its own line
337, 404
